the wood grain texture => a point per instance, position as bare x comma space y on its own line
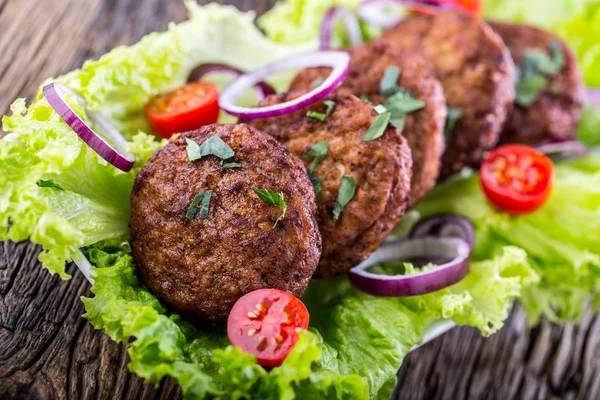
47, 351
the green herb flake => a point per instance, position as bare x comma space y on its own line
554, 89
403, 102
232, 165
345, 194
202, 199
388, 85
318, 152
528, 90
273, 199
316, 182
378, 127
214, 146
454, 114
322, 116
316, 82
380, 109
49, 184
365, 98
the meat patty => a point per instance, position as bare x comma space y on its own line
556, 112
201, 267
424, 128
476, 71
380, 167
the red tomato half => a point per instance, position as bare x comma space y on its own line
264, 324
184, 109
473, 7
516, 178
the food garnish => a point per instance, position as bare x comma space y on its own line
117, 155
345, 194
378, 127
399, 102
265, 324
564, 149
202, 199
453, 254
263, 89
316, 182
337, 60
445, 225
329, 22
454, 114
214, 146
322, 116
319, 152
273, 199
517, 179
232, 165
184, 109
49, 184
532, 76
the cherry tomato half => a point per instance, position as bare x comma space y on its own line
473, 7
184, 109
517, 178
265, 323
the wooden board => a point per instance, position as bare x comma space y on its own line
48, 351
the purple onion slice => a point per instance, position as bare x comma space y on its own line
337, 60
330, 19
445, 225
118, 155
263, 89
444, 275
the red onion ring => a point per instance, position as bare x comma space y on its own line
371, 11
118, 157
422, 283
592, 97
445, 225
330, 19
337, 60
263, 89
564, 148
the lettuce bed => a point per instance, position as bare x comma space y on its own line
356, 342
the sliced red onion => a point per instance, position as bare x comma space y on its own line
445, 225
373, 12
118, 157
263, 89
337, 60
11, 137
330, 19
592, 97
457, 250
564, 148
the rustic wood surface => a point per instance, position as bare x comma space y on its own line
48, 351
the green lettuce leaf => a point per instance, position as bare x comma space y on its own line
542, 13
350, 352
561, 239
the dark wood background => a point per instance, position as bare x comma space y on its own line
48, 351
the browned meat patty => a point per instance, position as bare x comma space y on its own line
380, 167
476, 71
201, 267
424, 128
556, 112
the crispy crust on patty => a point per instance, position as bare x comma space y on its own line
424, 129
201, 267
381, 168
476, 71
557, 111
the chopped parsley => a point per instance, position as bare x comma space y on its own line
316, 182
365, 98
318, 152
232, 165
214, 146
322, 116
388, 85
532, 76
345, 194
316, 82
378, 127
380, 109
273, 199
199, 206
454, 114
49, 184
